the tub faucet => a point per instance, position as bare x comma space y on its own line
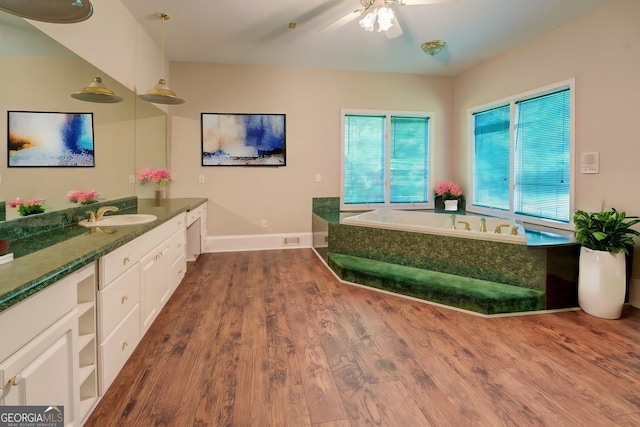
453, 222
498, 229
103, 210
467, 227
483, 225
514, 231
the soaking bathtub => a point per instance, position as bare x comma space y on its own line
442, 224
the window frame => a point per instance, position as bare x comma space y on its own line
511, 101
387, 184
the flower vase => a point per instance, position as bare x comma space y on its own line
157, 197
601, 283
451, 205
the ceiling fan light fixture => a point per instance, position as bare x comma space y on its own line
160, 93
53, 11
432, 47
368, 21
383, 15
385, 18
97, 92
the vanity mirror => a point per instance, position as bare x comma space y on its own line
39, 74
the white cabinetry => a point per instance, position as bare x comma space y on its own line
196, 231
39, 349
137, 279
155, 285
85, 280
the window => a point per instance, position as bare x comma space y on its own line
385, 159
522, 155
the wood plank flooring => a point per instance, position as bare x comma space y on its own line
271, 338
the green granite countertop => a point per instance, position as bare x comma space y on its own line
45, 258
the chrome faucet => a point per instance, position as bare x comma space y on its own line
483, 225
103, 210
453, 222
467, 227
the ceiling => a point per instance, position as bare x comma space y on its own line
257, 32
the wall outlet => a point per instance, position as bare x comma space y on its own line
132, 179
263, 223
318, 177
201, 179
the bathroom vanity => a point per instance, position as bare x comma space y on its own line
73, 313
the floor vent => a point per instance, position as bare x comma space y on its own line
288, 241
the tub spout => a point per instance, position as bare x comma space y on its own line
514, 231
467, 227
453, 222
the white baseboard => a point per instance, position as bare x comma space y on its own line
258, 242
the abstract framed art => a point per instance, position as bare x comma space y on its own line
234, 139
47, 139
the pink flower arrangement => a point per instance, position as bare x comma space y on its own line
449, 191
27, 207
159, 176
83, 197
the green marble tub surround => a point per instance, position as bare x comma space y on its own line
75, 248
506, 263
548, 265
3, 211
457, 291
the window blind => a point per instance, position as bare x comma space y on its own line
409, 163
542, 156
364, 159
491, 158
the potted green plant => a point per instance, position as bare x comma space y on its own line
606, 238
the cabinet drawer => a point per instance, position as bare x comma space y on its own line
117, 299
121, 259
25, 320
178, 270
116, 349
177, 245
193, 214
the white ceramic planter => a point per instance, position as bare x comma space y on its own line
450, 205
601, 283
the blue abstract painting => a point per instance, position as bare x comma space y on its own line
243, 139
45, 139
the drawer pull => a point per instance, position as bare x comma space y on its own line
125, 344
15, 380
125, 260
124, 299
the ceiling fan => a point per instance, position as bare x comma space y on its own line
380, 12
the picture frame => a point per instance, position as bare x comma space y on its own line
238, 139
50, 139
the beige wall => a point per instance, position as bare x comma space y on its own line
602, 51
240, 197
35, 83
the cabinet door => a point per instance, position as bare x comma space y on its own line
155, 284
44, 372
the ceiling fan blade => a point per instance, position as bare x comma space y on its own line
395, 30
344, 20
419, 2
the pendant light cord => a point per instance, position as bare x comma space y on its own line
164, 18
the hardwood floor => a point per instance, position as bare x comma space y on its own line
271, 338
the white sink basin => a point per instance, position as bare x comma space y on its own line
120, 220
